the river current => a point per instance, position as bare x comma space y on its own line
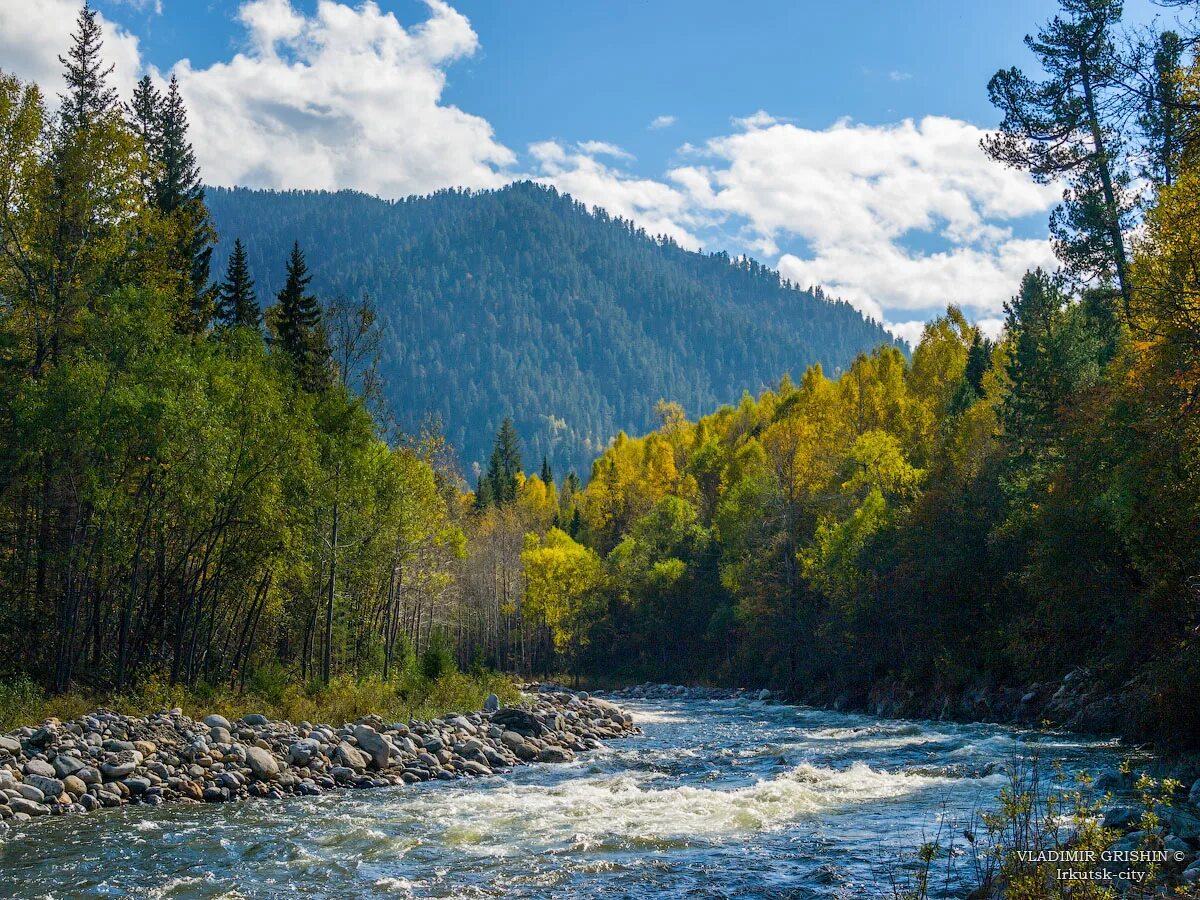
720, 798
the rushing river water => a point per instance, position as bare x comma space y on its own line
729, 798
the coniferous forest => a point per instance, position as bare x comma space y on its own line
240, 428
521, 302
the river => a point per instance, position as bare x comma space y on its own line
724, 798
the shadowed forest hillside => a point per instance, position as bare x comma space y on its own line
523, 302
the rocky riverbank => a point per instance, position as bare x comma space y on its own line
106, 759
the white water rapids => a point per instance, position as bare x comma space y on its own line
729, 798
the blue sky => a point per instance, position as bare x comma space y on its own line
837, 141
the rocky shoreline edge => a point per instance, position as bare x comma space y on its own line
106, 759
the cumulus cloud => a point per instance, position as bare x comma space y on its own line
856, 196
661, 122
347, 97
33, 33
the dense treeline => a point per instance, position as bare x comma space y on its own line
986, 513
521, 302
181, 491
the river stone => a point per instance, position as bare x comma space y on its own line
1182, 822
51, 787
303, 750
137, 786
519, 720
261, 763
216, 721
67, 764
220, 735
29, 807
1122, 818
40, 767
120, 765
43, 735
29, 792
89, 775
1194, 793
10, 744
491, 704
374, 743
555, 755
256, 720
73, 786
352, 757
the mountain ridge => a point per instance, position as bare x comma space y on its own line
522, 301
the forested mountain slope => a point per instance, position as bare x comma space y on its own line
522, 301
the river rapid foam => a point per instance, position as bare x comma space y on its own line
718, 798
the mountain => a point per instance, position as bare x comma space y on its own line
524, 302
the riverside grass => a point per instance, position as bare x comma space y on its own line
275, 694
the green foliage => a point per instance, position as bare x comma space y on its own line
437, 659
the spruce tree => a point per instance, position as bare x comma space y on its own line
298, 324
88, 99
504, 466
144, 120
547, 472
179, 192
237, 302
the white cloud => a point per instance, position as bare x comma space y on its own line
856, 195
661, 122
345, 98
908, 331
33, 33
154, 6
603, 148
895, 75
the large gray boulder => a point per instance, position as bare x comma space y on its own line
371, 741
262, 763
351, 757
52, 788
216, 721
39, 767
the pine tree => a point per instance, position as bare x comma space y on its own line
1162, 118
297, 322
1060, 129
547, 472
237, 303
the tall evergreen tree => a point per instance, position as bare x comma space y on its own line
297, 322
89, 98
237, 302
179, 193
1162, 116
1062, 128
145, 122
504, 467
547, 472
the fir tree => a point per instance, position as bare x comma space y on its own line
298, 324
547, 472
504, 466
179, 192
88, 99
144, 120
237, 303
